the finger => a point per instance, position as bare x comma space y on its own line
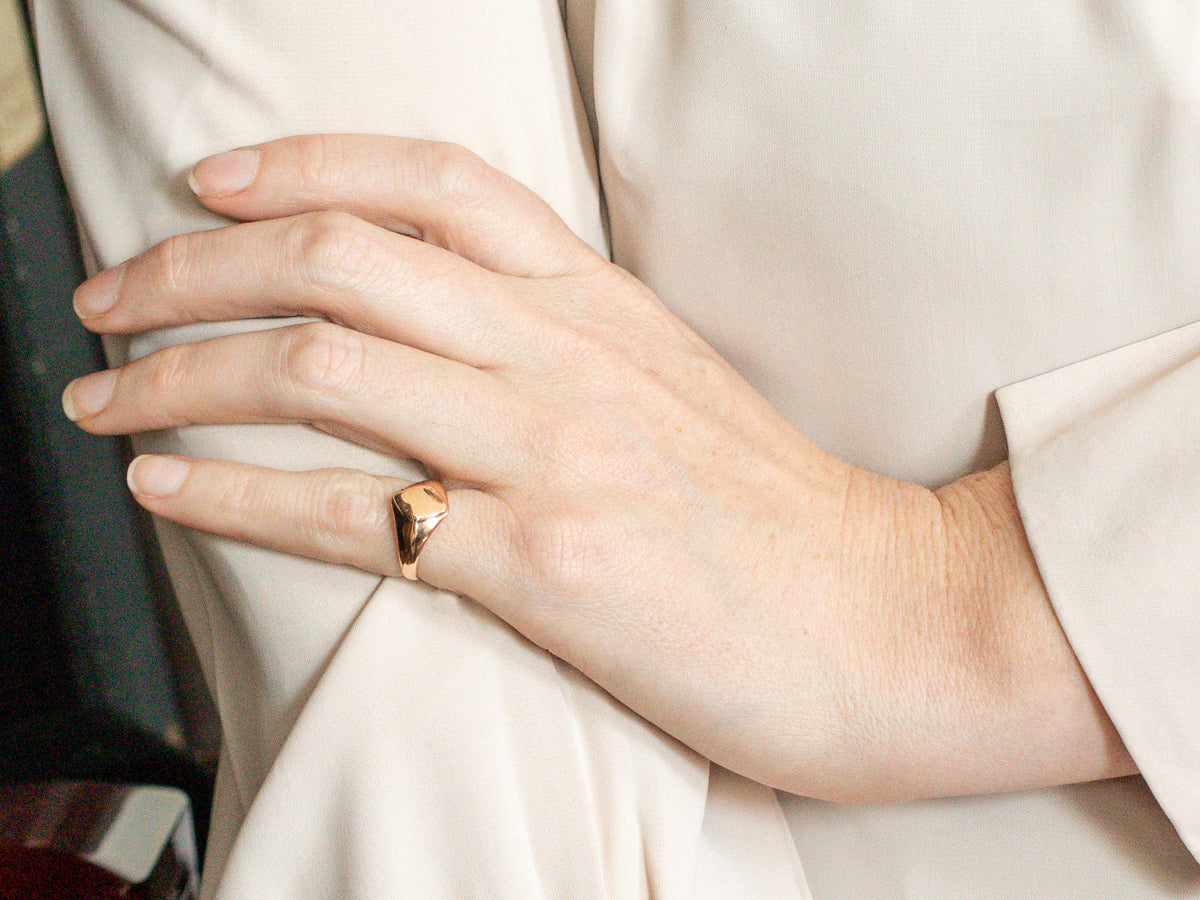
382, 393
340, 516
441, 193
331, 265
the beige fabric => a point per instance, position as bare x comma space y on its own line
1131, 415
881, 214
21, 120
382, 740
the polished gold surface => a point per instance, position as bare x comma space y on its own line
417, 510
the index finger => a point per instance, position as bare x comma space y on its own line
440, 193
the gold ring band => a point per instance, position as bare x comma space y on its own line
417, 510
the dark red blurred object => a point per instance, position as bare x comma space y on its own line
42, 873
91, 841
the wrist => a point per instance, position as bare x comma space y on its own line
1037, 721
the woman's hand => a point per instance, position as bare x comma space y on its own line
618, 493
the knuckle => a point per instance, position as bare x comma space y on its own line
333, 249
566, 555
171, 375
590, 360
346, 506
540, 436
323, 358
566, 444
456, 174
589, 452
320, 163
173, 261
565, 347
238, 497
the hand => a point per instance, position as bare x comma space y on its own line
619, 494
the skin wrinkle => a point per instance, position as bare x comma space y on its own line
814, 626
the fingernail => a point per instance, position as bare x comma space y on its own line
156, 476
99, 293
224, 174
88, 395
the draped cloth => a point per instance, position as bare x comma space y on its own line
931, 234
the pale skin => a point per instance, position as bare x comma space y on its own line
618, 494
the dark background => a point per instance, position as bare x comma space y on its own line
96, 678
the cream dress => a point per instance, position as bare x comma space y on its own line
888, 216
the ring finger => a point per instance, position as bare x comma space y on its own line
337, 515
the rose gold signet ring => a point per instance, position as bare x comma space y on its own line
417, 510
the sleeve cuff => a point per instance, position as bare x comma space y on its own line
1105, 458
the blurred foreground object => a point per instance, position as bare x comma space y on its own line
94, 841
21, 119
97, 682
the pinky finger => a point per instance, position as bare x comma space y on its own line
341, 516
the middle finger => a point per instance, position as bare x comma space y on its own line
377, 391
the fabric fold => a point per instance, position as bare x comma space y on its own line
1105, 457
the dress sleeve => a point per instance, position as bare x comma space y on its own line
1105, 458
